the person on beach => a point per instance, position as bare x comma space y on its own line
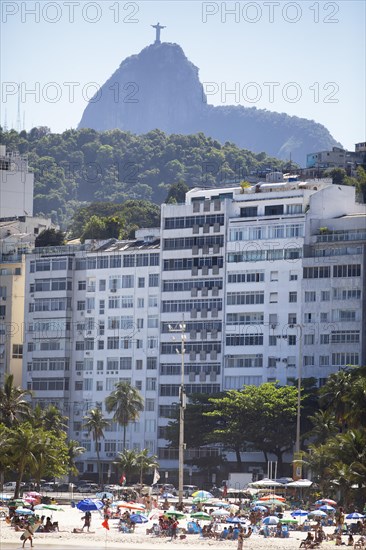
240, 539
87, 521
27, 535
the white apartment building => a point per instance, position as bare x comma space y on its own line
269, 282
16, 185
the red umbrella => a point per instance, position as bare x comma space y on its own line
271, 497
328, 501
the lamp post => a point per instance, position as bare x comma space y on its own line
297, 470
181, 327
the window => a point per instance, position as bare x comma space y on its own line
125, 363
274, 276
100, 366
308, 317
344, 359
102, 285
291, 339
139, 343
138, 385
17, 351
152, 321
140, 323
324, 317
150, 405
292, 318
101, 307
308, 360
294, 208
151, 384
244, 298
325, 295
310, 296
127, 281
80, 306
152, 342
309, 339
139, 364
324, 338
273, 297
273, 210
153, 301
272, 340
324, 360
353, 270
112, 342
248, 211
141, 282
126, 301
153, 280
151, 363
292, 297
82, 285
293, 276
317, 272
140, 302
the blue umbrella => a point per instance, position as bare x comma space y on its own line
327, 508
299, 513
138, 518
24, 512
235, 520
89, 504
318, 514
259, 508
355, 515
271, 520
202, 494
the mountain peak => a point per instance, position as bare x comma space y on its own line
160, 88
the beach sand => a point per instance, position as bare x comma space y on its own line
102, 539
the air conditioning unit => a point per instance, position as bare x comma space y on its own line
291, 326
109, 454
89, 332
87, 353
113, 290
278, 359
78, 373
284, 360
273, 325
89, 311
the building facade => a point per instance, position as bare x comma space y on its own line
16, 185
268, 282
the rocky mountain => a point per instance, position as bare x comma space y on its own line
160, 88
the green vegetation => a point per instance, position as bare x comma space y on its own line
95, 423
84, 166
50, 237
339, 177
126, 403
135, 463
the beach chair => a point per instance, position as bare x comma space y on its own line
193, 528
285, 532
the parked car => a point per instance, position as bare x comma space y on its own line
9, 487
188, 490
49, 487
160, 488
88, 488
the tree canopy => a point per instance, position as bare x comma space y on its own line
85, 166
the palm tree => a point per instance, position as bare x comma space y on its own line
50, 418
324, 426
95, 423
13, 405
23, 449
74, 450
126, 463
146, 462
126, 403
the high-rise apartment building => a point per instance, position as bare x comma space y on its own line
269, 282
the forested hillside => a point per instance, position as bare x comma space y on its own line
84, 166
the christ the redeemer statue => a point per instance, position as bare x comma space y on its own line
158, 28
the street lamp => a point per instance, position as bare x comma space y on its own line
181, 327
297, 470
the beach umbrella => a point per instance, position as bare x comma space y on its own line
355, 515
34, 494
233, 508
30, 500
52, 507
89, 504
104, 494
299, 513
175, 514
131, 505
166, 495
17, 502
271, 502
301, 483
138, 518
329, 501
235, 520
220, 513
272, 497
318, 514
266, 483
156, 514
259, 508
202, 494
24, 511
220, 503
201, 515
271, 520
327, 508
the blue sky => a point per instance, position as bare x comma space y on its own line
303, 58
